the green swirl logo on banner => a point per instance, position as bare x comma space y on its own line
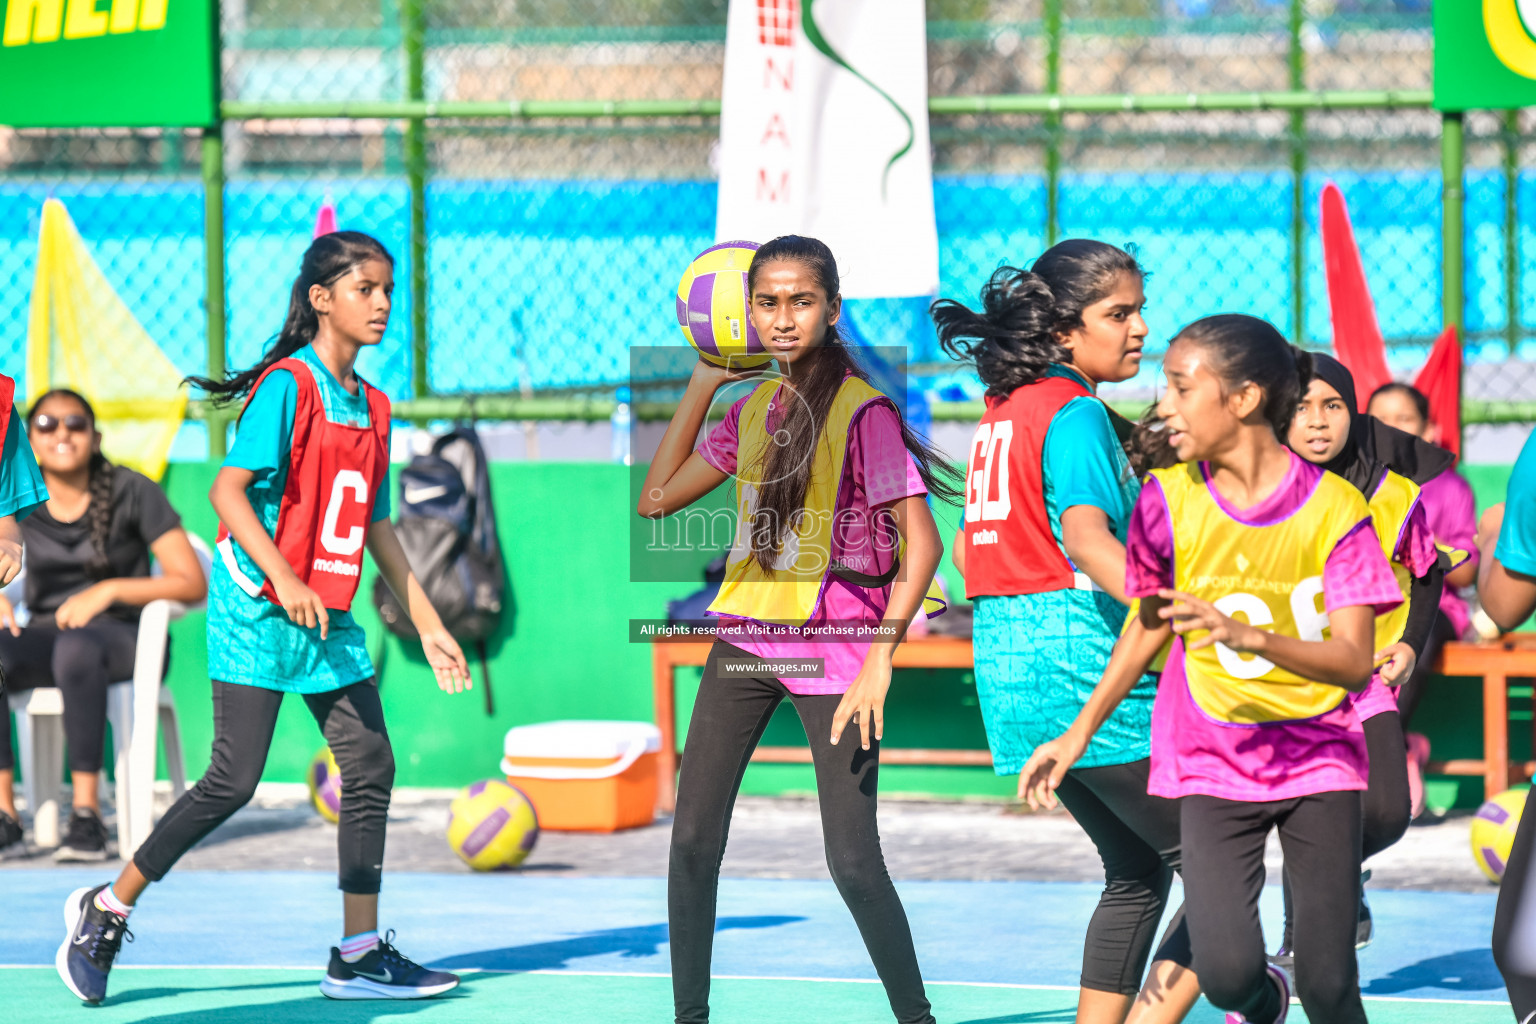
1509, 25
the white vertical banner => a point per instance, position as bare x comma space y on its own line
824, 132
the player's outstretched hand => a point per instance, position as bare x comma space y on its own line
1190, 614
302, 604
1046, 767
447, 661
1396, 663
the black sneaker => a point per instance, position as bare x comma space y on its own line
93, 939
10, 838
85, 838
1365, 928
383, 973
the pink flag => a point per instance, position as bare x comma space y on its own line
1357, 339
325, 224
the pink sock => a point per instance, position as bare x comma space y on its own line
107, 900
355, 947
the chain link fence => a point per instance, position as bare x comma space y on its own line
552, 244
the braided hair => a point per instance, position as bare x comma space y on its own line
99, 487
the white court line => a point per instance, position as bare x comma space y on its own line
717, 977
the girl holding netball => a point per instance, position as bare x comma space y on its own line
1265, 569
301, 495
1048, 502
834, 535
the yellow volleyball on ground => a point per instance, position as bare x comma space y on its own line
1493, 831
492, 825
714, 307
324, 780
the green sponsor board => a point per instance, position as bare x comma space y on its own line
67, 63
1485, 54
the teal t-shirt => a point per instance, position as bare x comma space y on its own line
1516, 549
1039, 656
250, 639
21, 483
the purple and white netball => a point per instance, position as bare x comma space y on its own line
492, 825
714, 307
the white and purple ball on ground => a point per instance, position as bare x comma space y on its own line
714, 307
492, 825
325, 785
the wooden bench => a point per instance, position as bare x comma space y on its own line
1497, 662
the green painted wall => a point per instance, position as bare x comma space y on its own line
564, 653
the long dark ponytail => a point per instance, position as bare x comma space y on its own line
785, 471
328, 259
99, 487
1017, 332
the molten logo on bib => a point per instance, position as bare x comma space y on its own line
335, 565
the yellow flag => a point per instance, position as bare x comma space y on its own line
80, 335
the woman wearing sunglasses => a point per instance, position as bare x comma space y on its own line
88, 557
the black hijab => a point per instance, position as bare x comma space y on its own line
1373, 447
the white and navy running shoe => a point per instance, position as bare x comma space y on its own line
383, 973
93, 938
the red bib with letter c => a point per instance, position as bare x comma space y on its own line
334, 473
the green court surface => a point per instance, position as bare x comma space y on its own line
165, 995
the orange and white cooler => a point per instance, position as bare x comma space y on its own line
586, 776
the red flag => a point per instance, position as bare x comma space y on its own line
1440, 380
325, 223
1357, 339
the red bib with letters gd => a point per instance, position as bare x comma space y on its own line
334, 473
1009, 545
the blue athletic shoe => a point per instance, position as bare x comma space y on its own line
383, 973
93, 938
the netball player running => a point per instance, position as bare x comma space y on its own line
301, 495
1386, 465
1252, 725
1048, 502
1506, 587
813, 446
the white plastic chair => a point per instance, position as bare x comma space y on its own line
138, 709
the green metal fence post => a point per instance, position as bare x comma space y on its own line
1298, 179
1512, 230
213, 260
1453, 200
413, 37
1052, 121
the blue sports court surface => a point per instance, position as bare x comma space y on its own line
238, 947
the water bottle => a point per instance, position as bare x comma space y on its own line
619, 423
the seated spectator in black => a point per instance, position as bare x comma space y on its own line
87, 576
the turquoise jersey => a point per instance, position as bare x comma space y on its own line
21, 482
1039, 656
1516, 549
250, 639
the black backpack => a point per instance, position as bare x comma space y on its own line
447, 524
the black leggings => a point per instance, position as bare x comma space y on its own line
1412, 691
1384, 804
729, 717
244, 717
1137, 836
1223, 852
1514, 922
82, 663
